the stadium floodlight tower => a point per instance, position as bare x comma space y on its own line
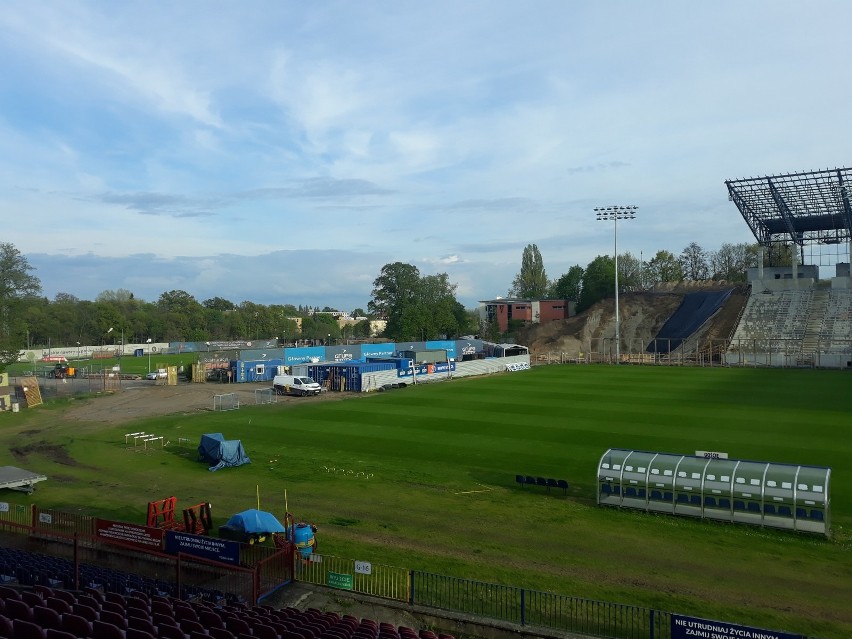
615, 213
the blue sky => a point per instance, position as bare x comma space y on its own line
283, 152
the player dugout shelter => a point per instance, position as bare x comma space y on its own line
752, 492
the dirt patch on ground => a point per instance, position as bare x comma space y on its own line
143, 398
52, 452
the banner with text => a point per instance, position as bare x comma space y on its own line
695, 628
131, 534
222, 550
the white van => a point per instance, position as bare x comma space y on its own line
296, 385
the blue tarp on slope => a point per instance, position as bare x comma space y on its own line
693, 311
221, 453
255, 521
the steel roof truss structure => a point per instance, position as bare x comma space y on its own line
804, 208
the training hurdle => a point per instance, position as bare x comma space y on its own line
141, 440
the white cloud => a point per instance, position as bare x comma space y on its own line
458, 133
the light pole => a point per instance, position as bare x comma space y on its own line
615, 213
148, 342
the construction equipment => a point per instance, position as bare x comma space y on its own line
196, 519
63, 371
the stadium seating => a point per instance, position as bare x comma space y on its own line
545, 482
46, 612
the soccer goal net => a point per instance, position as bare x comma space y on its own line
228, 401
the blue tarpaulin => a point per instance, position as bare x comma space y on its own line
221, 453
255, 521
694, 310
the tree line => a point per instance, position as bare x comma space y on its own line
596, 281
30, 320
415, 306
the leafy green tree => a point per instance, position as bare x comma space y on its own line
732, 261
394, 291
16, 285
569, 285
629, 273
415, 307
598, 282
693, 260
181, 316
531, 280
781, 254
663, 267
218, 304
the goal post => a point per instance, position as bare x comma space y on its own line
227, 401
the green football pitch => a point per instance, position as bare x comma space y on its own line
424, 478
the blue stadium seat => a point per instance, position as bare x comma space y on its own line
551, 483
642, 493
656, 495
682, 498
630, 491
724, 502
785, 511
667, 496
768, 509
541, 481
801, 513
739, 504
753, 507
561, 483
817, 514
695, 500
606, 489
519, 479
529, 479
710, 502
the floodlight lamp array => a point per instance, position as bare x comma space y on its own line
616, 212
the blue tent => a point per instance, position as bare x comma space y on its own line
221, 453
255, 521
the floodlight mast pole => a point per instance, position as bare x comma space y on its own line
615, 213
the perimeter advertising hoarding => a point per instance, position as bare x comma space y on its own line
129, 534
377, 350
304, 355
227, 552
695, 628
343, 353
426, 369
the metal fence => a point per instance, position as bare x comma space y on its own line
378, 580
538, 609
71, 536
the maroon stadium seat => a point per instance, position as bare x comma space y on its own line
59, 605
27, 630
165, 631
32, 598
141, 623
114, 618
53, 633
18, 609
87, 612
47, 617
6, 626
104, 630
76, 625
